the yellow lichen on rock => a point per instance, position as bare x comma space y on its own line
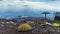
24, 27
55, 24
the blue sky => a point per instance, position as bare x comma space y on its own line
13, 8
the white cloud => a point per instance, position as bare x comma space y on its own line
19, 5
6, 5
42, 6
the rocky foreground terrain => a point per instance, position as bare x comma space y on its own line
10, 27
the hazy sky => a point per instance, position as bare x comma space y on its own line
38, 5
33, 6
